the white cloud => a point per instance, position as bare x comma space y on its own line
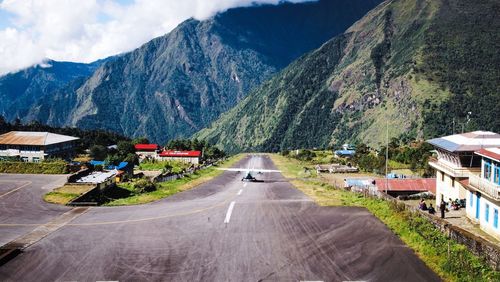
84, 31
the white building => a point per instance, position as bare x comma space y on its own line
483, 192
36, 146
456, 161
147, 151
192, 157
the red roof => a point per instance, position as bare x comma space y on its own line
180, 154
464, 182
407, 184
146, 147
489, 154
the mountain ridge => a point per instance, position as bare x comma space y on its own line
177, 84
393, 71
20, 89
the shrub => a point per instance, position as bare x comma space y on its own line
305, 155
56, 167
144, 185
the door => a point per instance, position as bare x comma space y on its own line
478, 199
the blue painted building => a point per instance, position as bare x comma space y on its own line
483, 192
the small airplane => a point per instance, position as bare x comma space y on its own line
249, 177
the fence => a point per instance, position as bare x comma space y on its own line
170, 177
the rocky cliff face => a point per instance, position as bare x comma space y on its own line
179, 83
415, 66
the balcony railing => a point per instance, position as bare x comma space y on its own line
454, 171
485, 186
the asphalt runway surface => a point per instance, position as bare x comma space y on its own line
224, 230
21, 203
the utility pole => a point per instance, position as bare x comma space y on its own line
386, 155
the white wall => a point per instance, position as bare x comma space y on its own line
447, 188
487, 226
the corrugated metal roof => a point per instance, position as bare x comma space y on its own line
492, 153
146, 147
471, 141
418, 185
34, 138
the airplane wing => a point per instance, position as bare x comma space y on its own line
249, 170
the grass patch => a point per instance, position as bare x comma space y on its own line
172, 166
169, 188
293, 168
63, 195
450, 260
59, 198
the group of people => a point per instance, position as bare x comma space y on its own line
455, 205
443, 206
423, 206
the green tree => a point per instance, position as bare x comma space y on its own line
140, 140
98, 152
113, 160
125, 148
131, 158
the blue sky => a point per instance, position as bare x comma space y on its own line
4, 18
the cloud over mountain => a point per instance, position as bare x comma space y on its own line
84, 31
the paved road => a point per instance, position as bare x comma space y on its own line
273, 233
21, 203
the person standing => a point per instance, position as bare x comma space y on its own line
442, 207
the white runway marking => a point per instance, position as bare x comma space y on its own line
245, 184
229, 212
14, 190
239, 192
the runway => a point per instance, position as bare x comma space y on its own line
224, 230
21, 203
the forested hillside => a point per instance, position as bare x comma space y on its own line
416, 67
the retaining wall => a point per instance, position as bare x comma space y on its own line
489, 251
81, 173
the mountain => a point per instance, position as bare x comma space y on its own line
21, 89
421, 68
177, 84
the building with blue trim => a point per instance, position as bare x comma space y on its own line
483, 192
457, 161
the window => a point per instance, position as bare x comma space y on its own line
495, 218
471, 199
25, 159
36, 160
487, 170
442, 176
487, 212
496, 177
453, 182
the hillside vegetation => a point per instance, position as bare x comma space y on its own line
416, 67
